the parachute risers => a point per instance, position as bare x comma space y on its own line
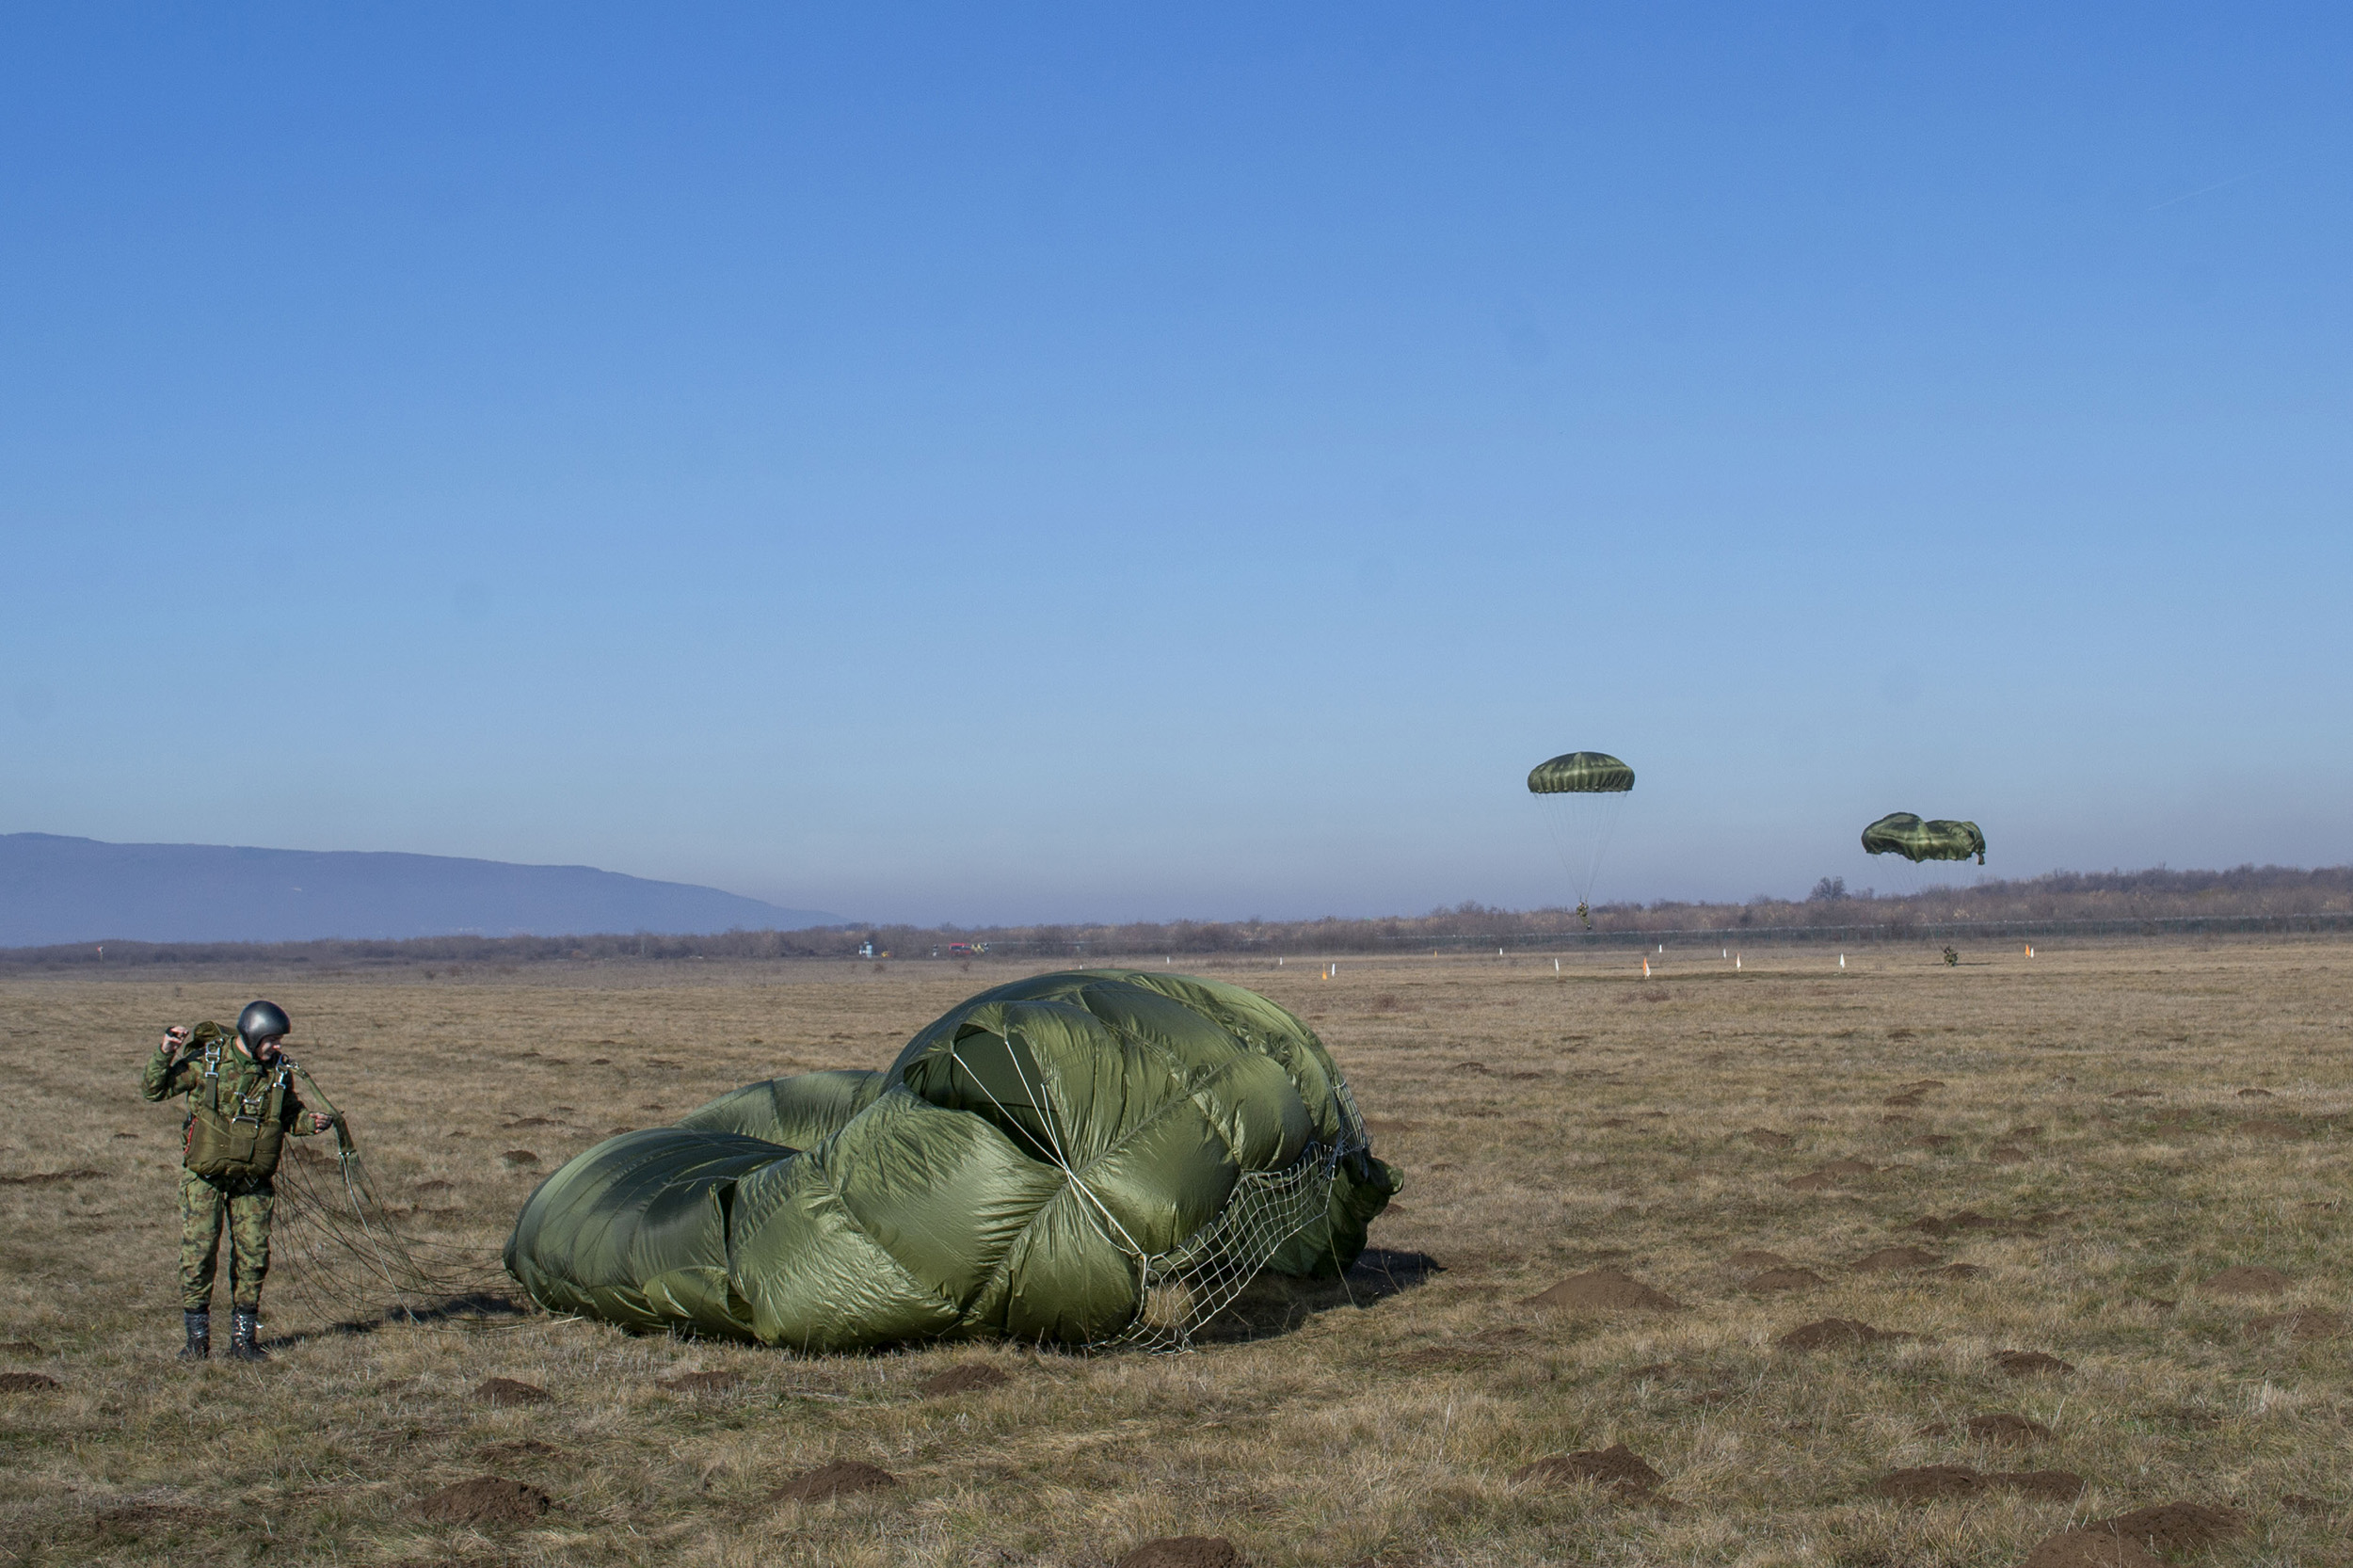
1087, 1157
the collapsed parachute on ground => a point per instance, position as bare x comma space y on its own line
1082, 1159
1901, 833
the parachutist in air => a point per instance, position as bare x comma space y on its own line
1585, 913
242, 1105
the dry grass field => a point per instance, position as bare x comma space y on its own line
2114, 1127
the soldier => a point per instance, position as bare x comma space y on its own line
241, 1107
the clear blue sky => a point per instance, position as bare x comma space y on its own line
997, 462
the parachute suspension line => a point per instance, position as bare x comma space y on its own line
1061, 1159
1183, 1288
342, 1249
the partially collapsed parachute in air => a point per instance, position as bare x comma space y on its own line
1082, 1159
1901, 833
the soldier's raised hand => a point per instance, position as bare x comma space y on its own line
174, 1038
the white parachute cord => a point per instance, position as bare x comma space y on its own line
1126, 1243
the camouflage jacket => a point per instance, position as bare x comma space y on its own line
168, 1074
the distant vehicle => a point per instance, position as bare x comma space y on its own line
966, 949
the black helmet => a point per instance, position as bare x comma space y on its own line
262, 1020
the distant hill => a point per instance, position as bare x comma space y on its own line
58, 890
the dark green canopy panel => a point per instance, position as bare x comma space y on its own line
1901, 833
1581, 773
1081, 1157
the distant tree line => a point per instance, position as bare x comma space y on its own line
2062, 897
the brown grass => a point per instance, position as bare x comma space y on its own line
1598, 1136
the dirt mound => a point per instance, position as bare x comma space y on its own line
517, 1159
2265, 1127
1961, 1270
520, 1447
1783, 1279
1925, 1484
1756, 1258
530, 1121
969, 1378
1183, 1551
2089, 1548
1835, 1333
484, 1500
2247, 1279
1930, 1141
1766, 1138
2305, 1324
2315, 1508
1929, 1483
26, 1382
1606, 1291
2009, 1154
508, 1391
436, 1185
1903, 1099
19, 1347
1888, 1259
700, 1383
2026, 1363
834, 1480
2175, 1527
139, 1518
1616, 1469
2006, 1431
2134, 1094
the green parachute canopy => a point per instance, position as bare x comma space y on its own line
1095, 1157
1901, 833
1581, 773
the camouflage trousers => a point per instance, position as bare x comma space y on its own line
245, 1204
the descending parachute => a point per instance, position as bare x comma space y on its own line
1087, 1158
1901, 833
1582, 794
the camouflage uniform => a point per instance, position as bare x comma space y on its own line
205, 1202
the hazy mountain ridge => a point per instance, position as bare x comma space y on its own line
55, 889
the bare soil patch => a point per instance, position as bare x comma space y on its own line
2009, 1154
26, 1382
1605, 1291
2176, 1527
2265, 1128
1960, 1271
1616, 1469
19, 1347
2005, 1430
1183, 1551
509, 1391
1930, 1141
484, 1500
2247, 1279
516, 1159
840, 1478
2304, 1324
2027, 1364
970, 1378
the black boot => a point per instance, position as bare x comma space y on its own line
199, 1321
243, 1323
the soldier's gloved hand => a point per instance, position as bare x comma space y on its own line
319, 1122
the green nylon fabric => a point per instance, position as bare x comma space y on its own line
1901, 833
1581, 773
1002, 1177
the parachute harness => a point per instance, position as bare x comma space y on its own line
1179, 1290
